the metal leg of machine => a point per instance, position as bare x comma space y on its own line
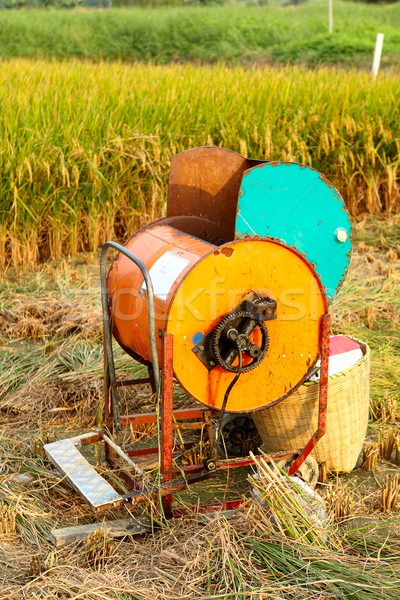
323, 396
66, 456
171, 420
166, 406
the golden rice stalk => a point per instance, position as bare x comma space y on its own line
7, 518
99, 547
39, 442
66, 188
38, 566
197, 454
142, 431
323, 472
280, 507
386, 442
35, 566
397, 452
371, 316
384, 410
363, 248
391, 255
341, 501
370, 456
390, 492
385, 269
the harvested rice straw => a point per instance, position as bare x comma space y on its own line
322, 472
197, 454
48, 317
370, 456
35, 566
283, 507
39, 442
341, 501
384, 410
7, 519
397, 452
390, 492
26, 512
142, 431
386, 442
99, 547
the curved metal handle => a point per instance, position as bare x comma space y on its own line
106, 320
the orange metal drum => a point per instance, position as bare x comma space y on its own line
195, 285
168, 254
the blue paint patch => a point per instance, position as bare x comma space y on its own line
197, 337
298, 206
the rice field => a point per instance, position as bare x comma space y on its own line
85, 148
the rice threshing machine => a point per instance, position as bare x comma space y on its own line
228, 296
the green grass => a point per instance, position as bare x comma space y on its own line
212, 33
85, 149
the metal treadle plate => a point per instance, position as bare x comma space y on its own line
80, 474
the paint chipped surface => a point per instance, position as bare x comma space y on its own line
225, 251
297, 204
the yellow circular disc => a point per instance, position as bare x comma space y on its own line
214, 287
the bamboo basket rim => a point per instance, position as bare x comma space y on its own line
366, 351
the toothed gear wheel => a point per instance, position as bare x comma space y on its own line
220, 342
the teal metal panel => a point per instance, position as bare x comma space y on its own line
297, 205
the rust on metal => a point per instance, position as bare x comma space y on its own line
209, 508
125, 284
143, 452
165, 491
166, 406
323, 396
225, 251
126, 382
205, 182
181, 414
129, 479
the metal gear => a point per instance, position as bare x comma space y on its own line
239, 341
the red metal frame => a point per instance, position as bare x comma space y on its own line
323, 395
166, 414
208, 508
197, 418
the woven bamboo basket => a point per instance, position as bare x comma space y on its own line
290, 424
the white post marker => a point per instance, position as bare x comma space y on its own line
330, 8
377, 55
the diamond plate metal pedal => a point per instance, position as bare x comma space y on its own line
81, 475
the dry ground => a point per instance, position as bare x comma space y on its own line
51, 387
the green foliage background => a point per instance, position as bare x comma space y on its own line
231, 34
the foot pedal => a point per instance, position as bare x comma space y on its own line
81, 475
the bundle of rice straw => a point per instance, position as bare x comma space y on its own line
286, 506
